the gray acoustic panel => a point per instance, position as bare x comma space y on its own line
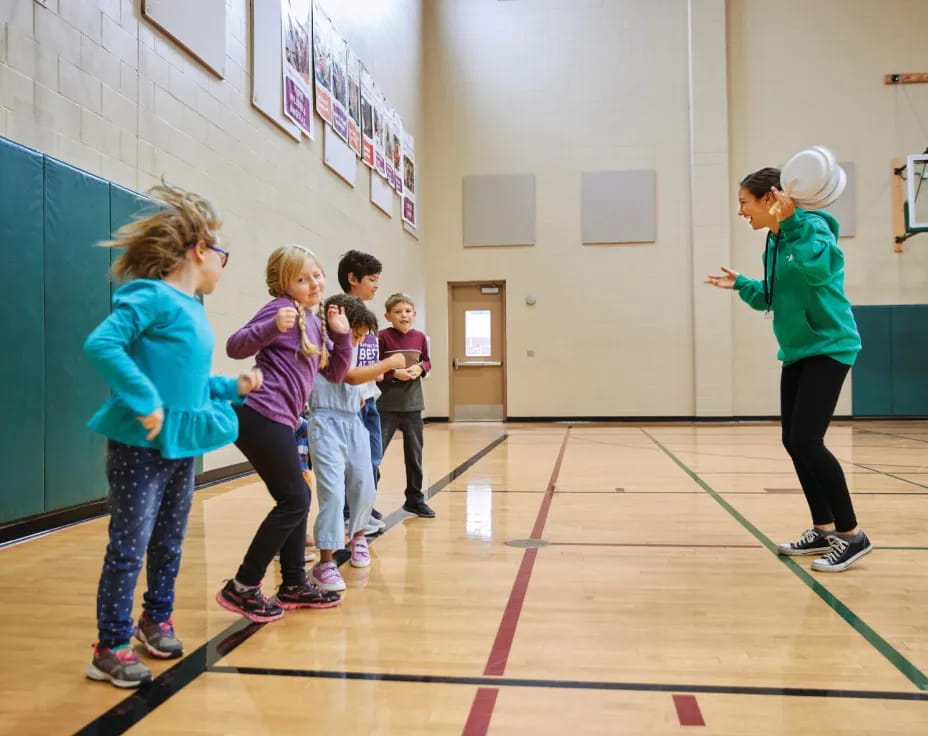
845, 207
381, 193
499, 210
618, 206
339, 157
198, 26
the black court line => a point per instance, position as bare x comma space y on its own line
572, 684
147, 698
891, 475
783, 472
894, 436
397, 516
125, 714
507, 490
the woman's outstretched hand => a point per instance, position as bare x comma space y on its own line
725, 281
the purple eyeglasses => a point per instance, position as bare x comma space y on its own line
223, 254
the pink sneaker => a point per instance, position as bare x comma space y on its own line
360, 554
327, 577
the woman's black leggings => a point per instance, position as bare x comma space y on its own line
809, 390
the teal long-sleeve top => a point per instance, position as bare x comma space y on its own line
155, 351
805, 289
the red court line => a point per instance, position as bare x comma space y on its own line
549, 491
647, 544
688, 710
499, 653
480, 712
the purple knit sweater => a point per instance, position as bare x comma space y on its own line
289, 374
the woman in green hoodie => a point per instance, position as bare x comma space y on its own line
803, 286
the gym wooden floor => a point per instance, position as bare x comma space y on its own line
649, 602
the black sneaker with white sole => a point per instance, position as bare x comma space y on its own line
812, 542
419, 508
845, 551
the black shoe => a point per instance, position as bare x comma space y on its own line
844, 553
812, 542
306, 595
376, 514
249, 603
419, 508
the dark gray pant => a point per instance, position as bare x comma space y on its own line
411, 425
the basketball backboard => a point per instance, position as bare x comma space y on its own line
916, 205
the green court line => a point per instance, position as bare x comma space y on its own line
915, 675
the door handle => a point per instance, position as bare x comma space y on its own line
476, 363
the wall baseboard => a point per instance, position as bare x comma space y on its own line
37, 524
220, 475
31, 526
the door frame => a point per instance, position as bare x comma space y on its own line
501, 283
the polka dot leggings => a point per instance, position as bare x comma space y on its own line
149, 502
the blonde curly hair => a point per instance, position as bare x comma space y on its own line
156, 244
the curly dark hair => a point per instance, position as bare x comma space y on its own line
358, 263
358, 315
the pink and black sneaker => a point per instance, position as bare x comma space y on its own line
250, 603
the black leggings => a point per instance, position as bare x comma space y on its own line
809, 392
271, 448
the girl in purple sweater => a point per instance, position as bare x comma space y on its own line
291, 344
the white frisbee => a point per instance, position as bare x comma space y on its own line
832, 179
835, 189
807, 174
827, 153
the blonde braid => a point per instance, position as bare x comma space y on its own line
307, 347
283, 265
324, 358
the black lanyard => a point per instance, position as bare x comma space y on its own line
768, 291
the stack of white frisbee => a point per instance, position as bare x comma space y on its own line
813, 178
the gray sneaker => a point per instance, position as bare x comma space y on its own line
119, 665
159, 638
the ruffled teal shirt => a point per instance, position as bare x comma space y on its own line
155, 350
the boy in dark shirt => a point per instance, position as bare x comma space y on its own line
401, 402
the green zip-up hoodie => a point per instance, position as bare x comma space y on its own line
811, 314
